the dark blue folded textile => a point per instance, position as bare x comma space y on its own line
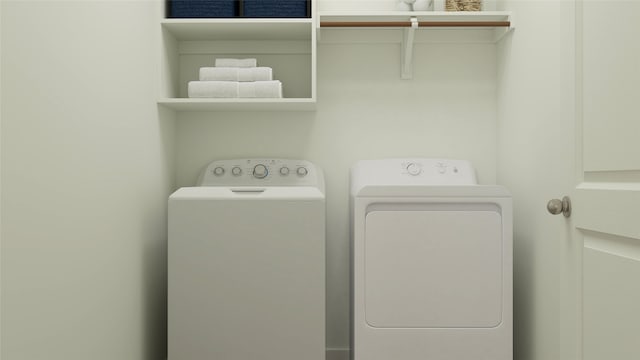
203, 8
275, 8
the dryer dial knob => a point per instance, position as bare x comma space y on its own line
236, 171
414, 169
302, 171
284, 171
260, 171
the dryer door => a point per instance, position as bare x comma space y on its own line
431, 268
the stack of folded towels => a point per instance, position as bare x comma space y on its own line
235, 78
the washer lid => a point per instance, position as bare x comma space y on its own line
248, 193
412, 171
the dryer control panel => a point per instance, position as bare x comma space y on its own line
261, 172
412, 171
438, 171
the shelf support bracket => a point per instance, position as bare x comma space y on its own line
500, 32
407, 50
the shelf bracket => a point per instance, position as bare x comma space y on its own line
500, 32
407, 50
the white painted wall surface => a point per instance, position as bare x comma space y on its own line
87, 165
364, 112
0, 179
83, 270
536, 150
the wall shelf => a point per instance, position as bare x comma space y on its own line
290, 104
409, 22
239, 29
468, 19
287, 45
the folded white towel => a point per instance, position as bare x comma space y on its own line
212, 89
242, 63
260, 89
236, 74
234, 89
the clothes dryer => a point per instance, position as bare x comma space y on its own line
431, 262
246, 263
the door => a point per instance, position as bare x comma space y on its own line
607, 197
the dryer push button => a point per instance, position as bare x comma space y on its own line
414, 169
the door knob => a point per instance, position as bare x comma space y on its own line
557, 206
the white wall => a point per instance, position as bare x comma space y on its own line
536, 142
0, 180
87, 165
364, 112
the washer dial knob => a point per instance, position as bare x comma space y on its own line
260, 171
302, 171
414, 169
284, 171
218, 171
236, 171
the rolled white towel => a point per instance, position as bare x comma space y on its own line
236, 74
212, 89
260, 89
242, 63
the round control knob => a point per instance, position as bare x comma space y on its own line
218, 171
414, 169
260, 171
284, 171
302, 171
236, 171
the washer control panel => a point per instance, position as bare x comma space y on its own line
257, 172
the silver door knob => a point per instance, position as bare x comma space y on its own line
557, 206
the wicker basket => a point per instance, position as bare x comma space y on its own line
463, 5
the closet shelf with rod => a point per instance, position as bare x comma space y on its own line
424, 18
499, 22
420, 24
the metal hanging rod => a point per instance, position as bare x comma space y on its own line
420, 23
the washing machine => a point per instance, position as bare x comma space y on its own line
431, 262
246, 263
